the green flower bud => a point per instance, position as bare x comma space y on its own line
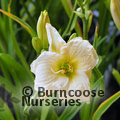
41, 28
115, 10
72, 36
90, 19
36, 42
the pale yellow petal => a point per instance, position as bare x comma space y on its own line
80, 82
44, 76
55, 40
80, 52
52, 82
46, 59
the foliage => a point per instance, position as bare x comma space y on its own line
16, 51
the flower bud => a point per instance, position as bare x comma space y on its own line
90, 19
41, 28
115, 10
72, 36
36, 42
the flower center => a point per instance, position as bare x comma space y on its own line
66, 68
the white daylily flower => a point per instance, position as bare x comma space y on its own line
66, 66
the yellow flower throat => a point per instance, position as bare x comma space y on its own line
66, 68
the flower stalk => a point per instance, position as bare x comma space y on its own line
86, 15
70, 21
85, 32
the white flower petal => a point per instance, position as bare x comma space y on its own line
55, 40
54, 83
47, 59
81, 52
80, 82
44, 76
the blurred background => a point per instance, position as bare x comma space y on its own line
29, 11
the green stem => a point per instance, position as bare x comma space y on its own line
88, 4
85, 24
70, 21
85, 32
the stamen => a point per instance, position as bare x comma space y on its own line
66, 68
57, 71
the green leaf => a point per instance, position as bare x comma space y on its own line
21, 22
108, 59
111, 41
52, 115
98, 85
5, 114
44, 112
101, 41
85, 112
105, 105
15, 45
70, 112
66, 6
95, 5
116, 74
107, 3
95, 85
96, 38
5, 83
103, 24
19, 74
